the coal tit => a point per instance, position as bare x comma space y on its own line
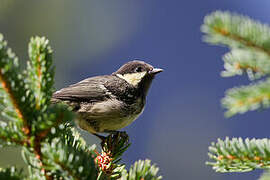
107, 103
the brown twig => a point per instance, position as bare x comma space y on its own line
37, 151
255, 69
39, 80
6, 86
244, 41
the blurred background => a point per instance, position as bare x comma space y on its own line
183, 113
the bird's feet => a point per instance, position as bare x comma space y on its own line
115, 142
122, 134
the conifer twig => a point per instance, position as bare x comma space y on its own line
236, 31
249, 42
237, 155
245, 98
239, 61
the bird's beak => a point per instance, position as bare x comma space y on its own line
155, 71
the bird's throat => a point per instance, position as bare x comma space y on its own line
132, 78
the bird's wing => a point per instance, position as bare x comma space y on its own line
91, 89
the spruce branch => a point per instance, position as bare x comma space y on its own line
249, 42
16, 98
73, 138
113, 146
238, 155
142, 169
236, 31
54, 116
69, 161
34, 163
10, 135
246, 98
240, 61
40, 70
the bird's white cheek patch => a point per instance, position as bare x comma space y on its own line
133, 78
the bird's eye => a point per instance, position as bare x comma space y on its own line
138, 69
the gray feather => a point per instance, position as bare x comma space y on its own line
90, 90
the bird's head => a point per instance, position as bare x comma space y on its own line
138, 73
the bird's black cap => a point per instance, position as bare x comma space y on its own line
137, 66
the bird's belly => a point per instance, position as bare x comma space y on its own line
117, 123
108, 116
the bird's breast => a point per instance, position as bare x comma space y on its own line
109, 115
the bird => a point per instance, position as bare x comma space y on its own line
108, 103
